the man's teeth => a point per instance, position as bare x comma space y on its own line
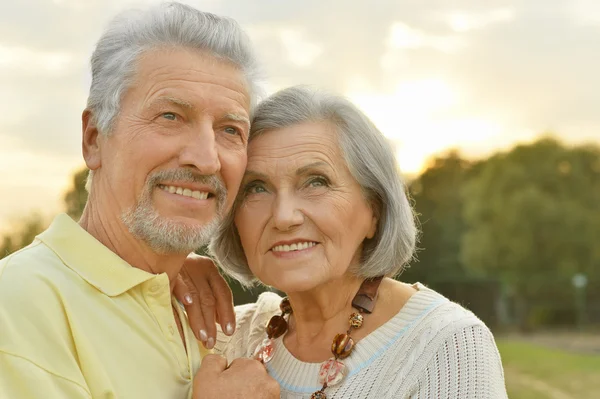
186, 192
294, 247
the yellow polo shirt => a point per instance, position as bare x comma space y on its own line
77, 321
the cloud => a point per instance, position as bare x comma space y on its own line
464, 21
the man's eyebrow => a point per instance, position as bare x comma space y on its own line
173, 100
310, 167
237, 118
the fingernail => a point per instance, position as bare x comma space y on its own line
203, 336
188, 299
229, 329
210, 343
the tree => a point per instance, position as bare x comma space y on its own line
438, 204
532, 217
34, 224
76, 197
30, 227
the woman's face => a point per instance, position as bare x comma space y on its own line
303, 217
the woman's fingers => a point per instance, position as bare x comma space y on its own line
186, 293
224, 302
211, 298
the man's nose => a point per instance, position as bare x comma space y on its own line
200, 150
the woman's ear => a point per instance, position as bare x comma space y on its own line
373, 228
90, 145
376, 209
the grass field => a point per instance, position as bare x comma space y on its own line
536, 372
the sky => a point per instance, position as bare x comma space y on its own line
474, 75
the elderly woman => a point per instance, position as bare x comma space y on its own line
322, 215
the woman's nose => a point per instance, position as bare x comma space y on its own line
286, 214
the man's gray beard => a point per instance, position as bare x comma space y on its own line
166, 236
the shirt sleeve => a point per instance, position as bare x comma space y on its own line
22, 378
466, 366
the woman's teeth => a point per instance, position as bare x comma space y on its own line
293, 247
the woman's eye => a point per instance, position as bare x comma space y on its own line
255, 188
318, 182
169, 115
232, 130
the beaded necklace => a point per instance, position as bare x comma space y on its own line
332, 371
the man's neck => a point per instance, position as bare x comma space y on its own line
111, 232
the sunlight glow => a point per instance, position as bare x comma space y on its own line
300, 51
466, 21
418, 119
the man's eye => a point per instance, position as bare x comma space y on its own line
169, 115
233, 130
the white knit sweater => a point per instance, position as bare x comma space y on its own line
432, 348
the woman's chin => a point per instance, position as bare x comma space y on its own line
289, 284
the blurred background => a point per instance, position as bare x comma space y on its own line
492, 108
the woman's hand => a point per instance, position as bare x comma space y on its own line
206, 297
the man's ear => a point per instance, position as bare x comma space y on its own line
90, 145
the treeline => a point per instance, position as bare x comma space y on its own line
522, 223
510, 231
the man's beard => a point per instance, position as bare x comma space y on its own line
166, 236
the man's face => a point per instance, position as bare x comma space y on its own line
173, 164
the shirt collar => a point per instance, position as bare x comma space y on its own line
90, 259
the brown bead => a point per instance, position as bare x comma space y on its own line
285, 306
356, 320
342, 346
318, 395
276, 327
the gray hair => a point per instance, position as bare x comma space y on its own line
134, 32
371, 162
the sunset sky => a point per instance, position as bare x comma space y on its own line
478, 75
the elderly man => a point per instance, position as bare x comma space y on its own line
86, 311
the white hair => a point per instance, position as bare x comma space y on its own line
371, 162
134, 32
173, 25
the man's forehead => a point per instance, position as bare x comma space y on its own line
191, 72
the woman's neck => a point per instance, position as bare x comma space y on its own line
322, 313
318, 315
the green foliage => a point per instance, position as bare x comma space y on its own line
530, 212
76, 197
438, 204
23, 235
32, 225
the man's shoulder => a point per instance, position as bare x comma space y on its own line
34, 288
34, 273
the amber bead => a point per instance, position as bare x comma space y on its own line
342, 346
356, 320
277, 326
285, 306
318, 395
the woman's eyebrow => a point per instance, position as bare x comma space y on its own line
254, 174
311, 166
